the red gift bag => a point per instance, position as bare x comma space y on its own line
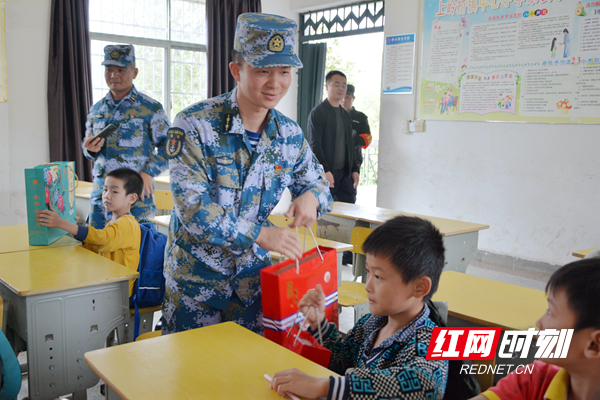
282, 288
307, 346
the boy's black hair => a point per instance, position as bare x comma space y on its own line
414, 247
330, 75
132, 181
581, 282
237, 58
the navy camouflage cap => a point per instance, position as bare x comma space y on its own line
266, 40
119, 54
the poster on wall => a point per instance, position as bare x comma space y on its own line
2, 54
511, 60
399, 64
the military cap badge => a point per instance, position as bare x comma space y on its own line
276, 43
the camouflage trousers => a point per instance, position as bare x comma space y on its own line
181, 312
98, 216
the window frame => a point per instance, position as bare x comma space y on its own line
166, 44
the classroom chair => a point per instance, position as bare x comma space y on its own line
149, 335
164, 202
357, 238
352, 293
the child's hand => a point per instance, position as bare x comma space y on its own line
313, 299
48, 218
301, 384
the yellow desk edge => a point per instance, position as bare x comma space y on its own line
583, 253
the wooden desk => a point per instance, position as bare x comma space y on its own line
62, 302
583, 253
162, 223
460, 238
16, 238
224, 361
490, 303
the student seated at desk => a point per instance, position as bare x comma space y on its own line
120, 239
383, 356
573, 298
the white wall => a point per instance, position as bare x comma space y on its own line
287, 105
24, 118
536, 185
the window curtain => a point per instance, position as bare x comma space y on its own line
69, 82
221, 19
311, 80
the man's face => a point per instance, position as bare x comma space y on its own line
261, 88
336, 88
120, 79
348, 102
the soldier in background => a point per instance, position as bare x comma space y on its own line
230, 159
138, 141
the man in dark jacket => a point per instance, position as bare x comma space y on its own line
332, 141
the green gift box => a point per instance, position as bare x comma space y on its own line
45, 184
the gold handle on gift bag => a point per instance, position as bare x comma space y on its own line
74, 175
56, 164
298, 262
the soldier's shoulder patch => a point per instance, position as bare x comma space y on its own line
174, 141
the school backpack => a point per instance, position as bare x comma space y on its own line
149, 287
459, 386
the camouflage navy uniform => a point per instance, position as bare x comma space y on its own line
138, 143
223, 193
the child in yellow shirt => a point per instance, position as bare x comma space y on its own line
120, 239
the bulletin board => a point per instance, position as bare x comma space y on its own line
510, 60
2, 53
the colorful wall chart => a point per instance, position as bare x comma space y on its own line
511, 60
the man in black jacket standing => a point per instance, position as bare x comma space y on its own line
332, 141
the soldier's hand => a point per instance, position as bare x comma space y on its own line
303, 210
329, 177
93, 144
281, 240
148, 191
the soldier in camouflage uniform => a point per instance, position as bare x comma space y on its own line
139, 141
230, 159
